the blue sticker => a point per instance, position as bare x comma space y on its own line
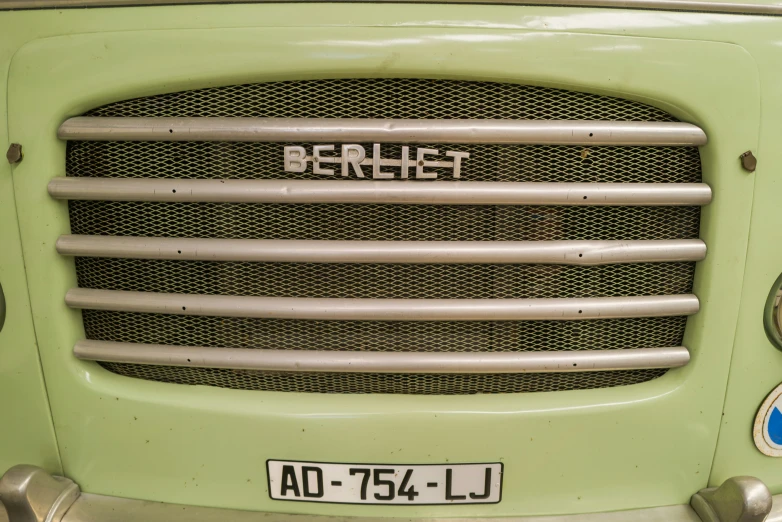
774, 428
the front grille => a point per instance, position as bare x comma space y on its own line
384, 99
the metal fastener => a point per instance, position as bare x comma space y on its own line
749, 161
14, 154
32, 495
738, 499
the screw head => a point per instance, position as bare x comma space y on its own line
14, 154
749, 161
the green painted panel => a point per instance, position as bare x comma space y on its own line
644, 445
26, 431
756, 367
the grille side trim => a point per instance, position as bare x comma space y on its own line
383, 309
399, 192
381, 362
530, 132
584, 253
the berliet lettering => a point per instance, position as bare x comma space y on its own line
353, 157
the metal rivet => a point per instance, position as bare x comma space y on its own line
14, 154
749, 161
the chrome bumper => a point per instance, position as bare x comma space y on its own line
29, 494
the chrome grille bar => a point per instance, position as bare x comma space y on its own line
405, 192
383, 309
585, 253
528, 132
381, 362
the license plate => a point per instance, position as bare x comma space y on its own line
385, 483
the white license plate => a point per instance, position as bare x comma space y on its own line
385, 483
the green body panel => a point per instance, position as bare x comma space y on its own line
26, 431
756, 365
565, 452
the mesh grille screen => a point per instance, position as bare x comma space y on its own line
396, 336
538, 163
381, 281
385, 98
423, 384
382, 222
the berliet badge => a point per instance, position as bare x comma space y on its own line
353, 157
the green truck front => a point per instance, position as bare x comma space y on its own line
387, 260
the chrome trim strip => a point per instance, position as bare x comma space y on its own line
776, 509
329, 130
391, 191
383, 309
585, 253
381, 362
664, 5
